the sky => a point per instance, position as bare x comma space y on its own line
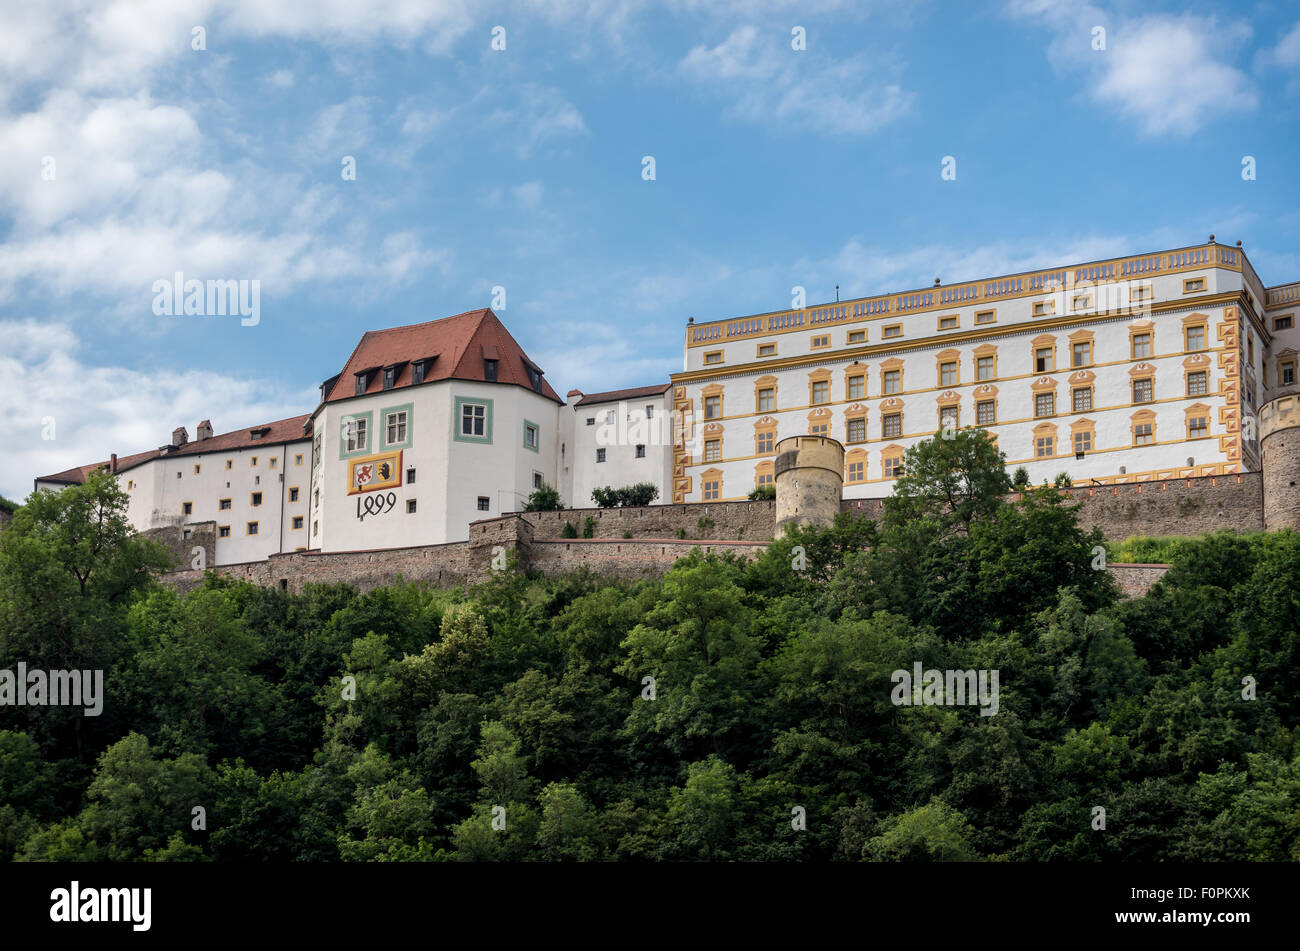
502, 155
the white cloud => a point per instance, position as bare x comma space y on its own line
1287, 51
281, 78
99, 410
529, 194
1170, 74
536, 115
768, 81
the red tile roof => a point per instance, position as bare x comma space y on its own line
613, 396
458, 344
280, 431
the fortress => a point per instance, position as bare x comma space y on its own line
1164, 384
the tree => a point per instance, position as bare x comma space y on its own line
543, 499
953, 481
642, 493
763, 493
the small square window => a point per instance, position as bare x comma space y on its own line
1197, 384
1044, 308
985, 317
600, 455
1044, 404
410, 476
821, 341
640, 451
893, 330
1142, 434
857, 336
297, 522
1044, 446
252, 528
948, 323
767, 349
530, 436
256, 499
223, 505
293, 494
893, 466
187, 508
484, 503
223, 531
712, 489
713, 357
410, 506
591, 420
1284, 323
1193, 284
1082, 443
765, 441
1197, 427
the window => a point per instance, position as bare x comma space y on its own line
489, 371
984, 368
187, 534
857, 336
713, 357
390, 377
362, 380
712, 450
1142, 434
1197, 384
857, 470
600, 455
417, 372
1141, 346
1044, 446
766, 400
948, 416
1286, 375
893, 466
857, 387
187, 508
293, 494
948, 323
537, 480
250, 528
986, 413
1082, 399
1284, 323
1195, 338
1141, 293
893, 330
230, 463
649, 411
532, 438
948, 373
1043, 360
1044, 308
1044, 404
820, 392
891, 425
296, 524
1082, 302
892, 381
986, 317
767, 349
178, 473
130, 484
1197, 427
1143, 390
1083, 441
255, 498
534, 378
474, 421
821, 341
857, 431
591, 420
640, 451
484, 504
712, 407
274, 460
1081, 354
197, 468
820, 428
223, 505
297, 459
410, 506
712, 489
395, 423
354, 434
765, 441
1193, 285
223, 531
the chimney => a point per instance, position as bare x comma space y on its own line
205, 430
112, 463
179, 436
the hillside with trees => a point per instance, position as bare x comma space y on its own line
729, 710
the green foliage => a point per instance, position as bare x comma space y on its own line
642, 493
730, 710
568, 531
543, 499
763, 493
589, 527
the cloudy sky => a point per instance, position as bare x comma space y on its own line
141, 138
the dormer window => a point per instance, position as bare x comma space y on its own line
417, 371
390, 377
362, 382
535, 379
490, 371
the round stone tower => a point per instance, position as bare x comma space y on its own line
809, 481
1279, 438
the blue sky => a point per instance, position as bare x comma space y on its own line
522, 168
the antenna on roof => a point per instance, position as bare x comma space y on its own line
837, 293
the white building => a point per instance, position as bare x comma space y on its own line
1142, 367
616, 439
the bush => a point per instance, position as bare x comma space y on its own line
543, 499
589, 527
569, 531
763, 493
643, 493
